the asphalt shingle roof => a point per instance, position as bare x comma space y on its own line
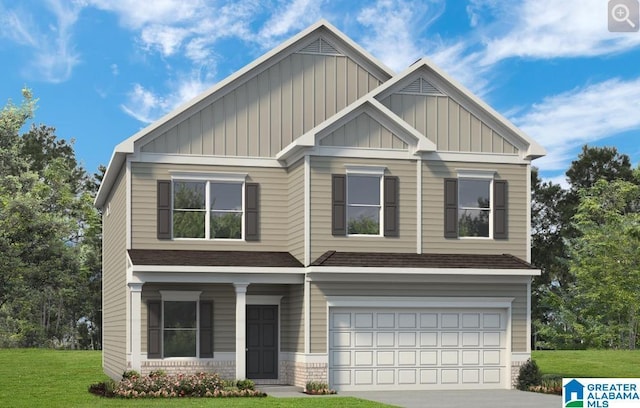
213, 258
401, 260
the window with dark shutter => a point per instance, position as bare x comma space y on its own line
391, 206
154, 329
206, 329
252, 226
451, 208
500, 227
164, 209
338, 204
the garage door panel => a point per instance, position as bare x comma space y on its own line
388, 349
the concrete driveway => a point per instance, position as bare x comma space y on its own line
435, 399
460, 399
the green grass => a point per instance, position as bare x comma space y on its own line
589, 363
49, 378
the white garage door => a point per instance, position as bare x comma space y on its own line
395, 349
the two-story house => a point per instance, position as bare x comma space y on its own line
316, 216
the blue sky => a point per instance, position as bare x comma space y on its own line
104, 69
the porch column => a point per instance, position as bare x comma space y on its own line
135, 292
241, 329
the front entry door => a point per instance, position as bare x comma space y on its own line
262, 341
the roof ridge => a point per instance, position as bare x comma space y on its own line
322, 258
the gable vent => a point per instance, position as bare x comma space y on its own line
422, 87
320, 46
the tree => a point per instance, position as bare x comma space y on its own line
46, 214
605, 260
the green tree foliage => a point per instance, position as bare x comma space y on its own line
364, 225
605, 259
556, 309
46, 220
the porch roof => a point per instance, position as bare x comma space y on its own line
213, 258
412, 260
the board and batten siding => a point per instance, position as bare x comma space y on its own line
319, 310
364, 132
115, 299
446, 123
296, 210
321, 238
272, 220
268, 111
433, 241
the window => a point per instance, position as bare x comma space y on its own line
180, 325
363, 205
365, 201
207, 209
180, 329
475, 206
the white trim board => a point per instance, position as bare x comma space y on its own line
419, 302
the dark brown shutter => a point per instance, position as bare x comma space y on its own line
450, 208
500, 209
339, 204
206, 329
251, 226
154, 329
164, 209
391, 206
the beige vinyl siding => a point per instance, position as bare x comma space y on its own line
296, 210
365, 132
319, 290
273, 188
114, 268
321, 238
292, 317
224, 311
433, 241
448, 124
268, 111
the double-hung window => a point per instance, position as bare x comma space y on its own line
208, 206
475, 205
365, 202
180, 325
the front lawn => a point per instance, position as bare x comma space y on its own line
589, 363
50, 378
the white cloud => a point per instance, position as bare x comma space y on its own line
551, 29
564, 122
136, 14
54, 55
392, 30
293, 15
147, 106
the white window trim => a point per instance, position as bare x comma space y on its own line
364, 170
481, 175
208, 178
380, 175
181, 296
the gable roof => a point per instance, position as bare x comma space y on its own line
438, 81
377, 111
229, 83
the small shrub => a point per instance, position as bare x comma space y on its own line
157, 373
245, 384
318, 388
103, 389
129, 374
529, 376
550, 384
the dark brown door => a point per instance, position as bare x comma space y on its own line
262, 341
